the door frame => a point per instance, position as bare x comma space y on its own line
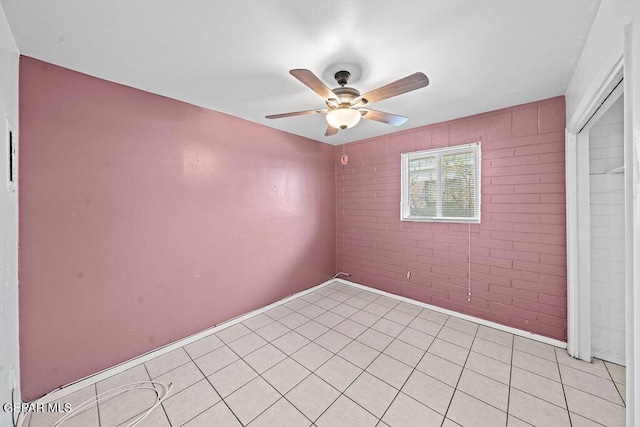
578, 208
626, 65
632, 215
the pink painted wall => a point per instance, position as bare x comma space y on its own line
144, 220
518, 252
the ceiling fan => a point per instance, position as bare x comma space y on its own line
345, 105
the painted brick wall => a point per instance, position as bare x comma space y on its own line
144, 220
518, 251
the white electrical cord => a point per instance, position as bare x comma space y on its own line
161, 395
342, 273
469, 298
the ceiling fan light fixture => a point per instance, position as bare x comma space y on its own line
343, 118
344, 102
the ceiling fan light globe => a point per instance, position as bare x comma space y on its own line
343, 118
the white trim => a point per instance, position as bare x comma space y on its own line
632, 218
446, 150
573, 290
451, 220
577, 208
437, 153
601, 88
611, 99
99, 376
609, 357
404, 165
623, 65
578, 200
584, 246
488, 323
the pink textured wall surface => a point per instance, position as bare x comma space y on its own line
144, 220
518, 251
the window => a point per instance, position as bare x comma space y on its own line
442, 184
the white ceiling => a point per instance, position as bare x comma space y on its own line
234, 56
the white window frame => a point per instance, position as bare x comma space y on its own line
438, 153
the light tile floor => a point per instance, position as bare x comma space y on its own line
341, 356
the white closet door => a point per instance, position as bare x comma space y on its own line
607, 235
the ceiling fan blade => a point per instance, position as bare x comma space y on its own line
313, 82
380, 116
407, 84
330, 131
297, 113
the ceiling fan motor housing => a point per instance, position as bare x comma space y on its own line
346, 94
342, 77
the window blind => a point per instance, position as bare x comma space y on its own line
442, 184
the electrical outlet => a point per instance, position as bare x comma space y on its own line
408, 274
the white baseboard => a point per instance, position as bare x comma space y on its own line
99, 376
609, 357
509, 329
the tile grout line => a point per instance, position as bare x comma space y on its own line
178, 367
289, 329
521, 391
455, 389
367, 328
558, 406
369, 302
332, 328
355, 339
363, 370
399, 390
588, 373
95, 389
370, 327
225, 324
614, 383
29, 417
161, 405
513, 345
311, 372
259, 375
536, 397
592, 395
114, 397
541, 358
291, 403
469, 318
584, 391
396, 337
226, 344
214, 389
480, 373
595, 395
563, 390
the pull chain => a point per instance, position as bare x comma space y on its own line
343, 149
344, 159
469, 275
